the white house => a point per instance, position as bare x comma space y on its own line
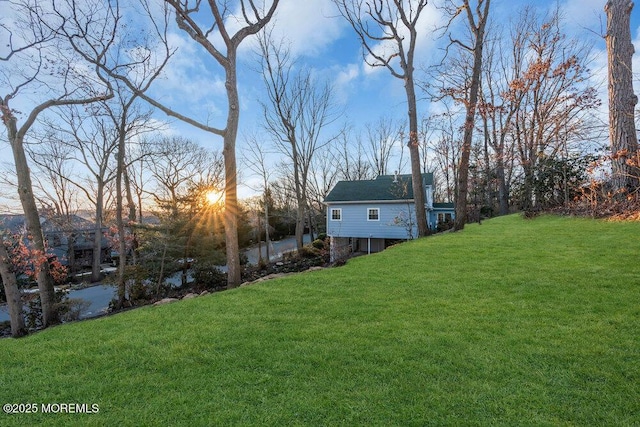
368, 215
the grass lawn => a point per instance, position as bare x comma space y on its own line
513, 322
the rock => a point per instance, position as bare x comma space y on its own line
165, 301
267, 277
279, 263
190, 296
204, 293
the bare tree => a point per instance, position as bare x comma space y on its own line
350, 157
93, 142
622, 100
382, 137
467, 92
395, 23
211, 29
138, 178
504, 61
52, 164
299, 110
39, 62
323, 178
553, 94
177, 167
446, 148
255, 157
128, 122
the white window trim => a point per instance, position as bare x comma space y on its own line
368, 216
339, 210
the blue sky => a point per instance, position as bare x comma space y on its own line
322, 41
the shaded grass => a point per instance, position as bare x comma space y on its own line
514, 322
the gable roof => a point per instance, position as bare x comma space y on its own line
12, 223
384, 187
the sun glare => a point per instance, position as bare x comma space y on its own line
213, 197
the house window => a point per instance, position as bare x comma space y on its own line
442, 217
373, 214
336, 214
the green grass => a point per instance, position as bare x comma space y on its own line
514, 322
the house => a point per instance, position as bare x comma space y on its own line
369, 215
70, 239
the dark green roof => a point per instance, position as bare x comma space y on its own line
444, 206
384, 187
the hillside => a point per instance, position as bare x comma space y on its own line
527, 322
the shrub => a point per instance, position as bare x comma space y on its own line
319, 244
72, 308
33, 308
308, 252
209, 277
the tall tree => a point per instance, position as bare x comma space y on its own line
394, 23
382, 137
52, 164
134, 59
12, 292
476, 20
622, 100
553, 95
40, 62
255, 157
126, 123
504, 62
211, 28
298, 111
350, 157
93, 142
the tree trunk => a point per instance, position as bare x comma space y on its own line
14, 302
622, 100
266, 222
97, 240
122, 245
503, 192
414, 154
32, 223
234, 276
132, 216
469, 123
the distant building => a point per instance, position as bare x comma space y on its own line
367, 215
70, 239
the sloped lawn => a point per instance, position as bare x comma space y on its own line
513, 322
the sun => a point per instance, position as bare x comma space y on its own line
213, 197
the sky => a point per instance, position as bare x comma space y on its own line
322, 41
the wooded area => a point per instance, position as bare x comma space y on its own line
513, 125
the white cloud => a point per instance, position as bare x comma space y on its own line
346, 75
585, 15
191, 80
310, 26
